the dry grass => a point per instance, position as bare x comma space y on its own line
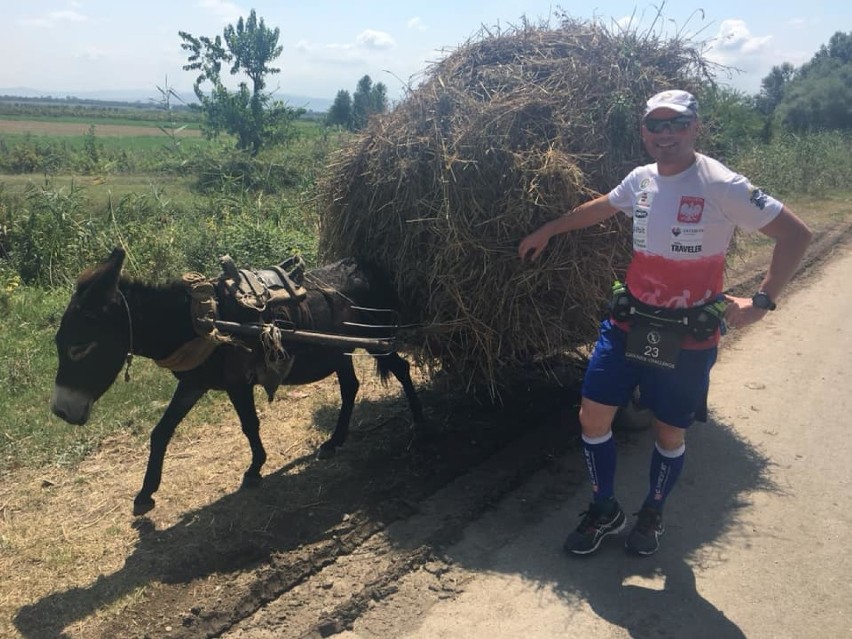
507, 132
63, 528
40, 127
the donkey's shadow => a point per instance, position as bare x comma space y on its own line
298, 510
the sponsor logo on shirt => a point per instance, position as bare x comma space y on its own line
758, 198
680, 247
690, 210
688, 232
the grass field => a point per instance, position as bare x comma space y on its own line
170, 225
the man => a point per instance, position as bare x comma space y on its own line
664, 333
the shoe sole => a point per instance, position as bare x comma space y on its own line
614, 531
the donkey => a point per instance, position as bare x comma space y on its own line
110, 317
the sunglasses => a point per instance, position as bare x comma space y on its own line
675, 124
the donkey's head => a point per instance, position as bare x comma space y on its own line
92, 342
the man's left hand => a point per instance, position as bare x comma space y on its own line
741, 312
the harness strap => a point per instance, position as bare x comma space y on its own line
192, 354
203, 310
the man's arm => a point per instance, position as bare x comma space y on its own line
792, 237
587, 214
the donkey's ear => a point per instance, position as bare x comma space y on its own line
98, 285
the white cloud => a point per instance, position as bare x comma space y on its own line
334, 54
735, 47
54, 18
227, 12
734, 42
417, 24
371, 39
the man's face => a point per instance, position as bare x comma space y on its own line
672, 140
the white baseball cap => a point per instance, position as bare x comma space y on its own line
681, 101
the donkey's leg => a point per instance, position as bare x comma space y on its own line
400, 369
242, 397
184, 398
348, 390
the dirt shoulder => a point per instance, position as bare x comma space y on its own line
38, 127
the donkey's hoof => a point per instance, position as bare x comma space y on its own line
142, 505
252, 481
326, 451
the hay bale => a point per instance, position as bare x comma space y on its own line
505, 133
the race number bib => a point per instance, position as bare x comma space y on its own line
653, 345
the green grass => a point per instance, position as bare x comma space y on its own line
29, 434
792, 165
131, 143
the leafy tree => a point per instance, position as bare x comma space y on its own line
362, 103
367, 100
838, 51
772, 87
340, 112
820, 101
379, 98
731, 121
818, 96
249, 113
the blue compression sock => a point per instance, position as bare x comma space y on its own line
665, 469
599, 453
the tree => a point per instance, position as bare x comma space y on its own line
340, 112
818, 95
838, 51
379, 98
250, 114
367, 100
819, 102
730, 120
772, 87
362, 103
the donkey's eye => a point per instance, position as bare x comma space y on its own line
77, 352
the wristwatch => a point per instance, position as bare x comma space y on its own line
762, 300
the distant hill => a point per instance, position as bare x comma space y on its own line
136, 96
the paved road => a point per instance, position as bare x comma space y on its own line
758, 529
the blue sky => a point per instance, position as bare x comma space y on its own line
71, 47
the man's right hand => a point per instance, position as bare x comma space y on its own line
532, 245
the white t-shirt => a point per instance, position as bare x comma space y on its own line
682, 226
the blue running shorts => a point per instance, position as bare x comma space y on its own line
677, 397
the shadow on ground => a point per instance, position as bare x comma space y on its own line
649, 596
223, 561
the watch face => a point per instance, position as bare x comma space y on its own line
761, 300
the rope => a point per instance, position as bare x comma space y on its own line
129, 357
